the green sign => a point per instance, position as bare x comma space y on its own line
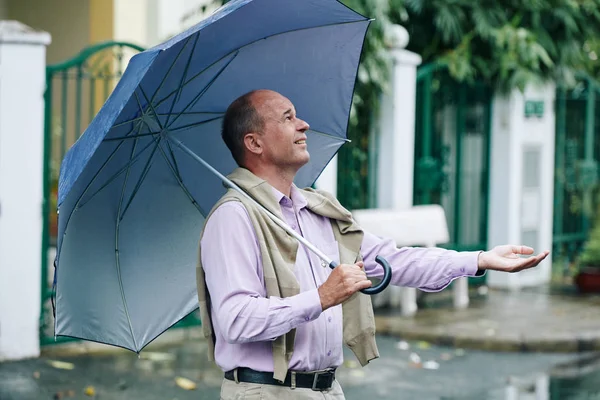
534, 109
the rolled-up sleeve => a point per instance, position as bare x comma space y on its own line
429, 269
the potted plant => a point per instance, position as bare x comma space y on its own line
588, 277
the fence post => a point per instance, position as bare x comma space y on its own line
522, 179
396, 144
22, 81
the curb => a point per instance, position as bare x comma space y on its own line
547, 344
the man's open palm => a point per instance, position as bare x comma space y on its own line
508, 258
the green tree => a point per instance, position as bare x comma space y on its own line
505, 43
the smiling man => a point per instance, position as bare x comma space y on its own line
274, 315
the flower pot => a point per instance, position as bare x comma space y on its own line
588, 280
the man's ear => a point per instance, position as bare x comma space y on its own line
253, 144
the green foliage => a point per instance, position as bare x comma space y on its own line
507, 43
590, 256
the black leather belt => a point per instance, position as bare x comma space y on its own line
317, 380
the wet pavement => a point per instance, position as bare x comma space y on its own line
540, 319
540, 345
406, 370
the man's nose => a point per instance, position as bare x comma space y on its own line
303, 125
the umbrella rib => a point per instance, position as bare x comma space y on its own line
142, 177
182, 127
177, 173
345, 140
249, 44
126, 122
130, 137
171, 68
187, 66
157, 133
151, 108
117, 174
77, 205
117, 230
178, 178
208, 85
160, 102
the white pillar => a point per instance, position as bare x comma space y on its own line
22, 83
522, 180
396, 146
397, 127
328, 179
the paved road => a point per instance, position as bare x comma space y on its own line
412, 370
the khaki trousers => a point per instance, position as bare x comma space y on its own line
254, 391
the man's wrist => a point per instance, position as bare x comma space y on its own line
481, 262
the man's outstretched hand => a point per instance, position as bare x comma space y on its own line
507, 258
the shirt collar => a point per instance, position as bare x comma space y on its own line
297, 199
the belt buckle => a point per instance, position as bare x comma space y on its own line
329, 372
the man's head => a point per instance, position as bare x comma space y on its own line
261, 129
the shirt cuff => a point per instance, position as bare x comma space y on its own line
307, 305
466, 264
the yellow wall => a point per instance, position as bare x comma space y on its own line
66, 20
101, 20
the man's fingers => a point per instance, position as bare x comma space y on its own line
525, 250
530, 262
363, 285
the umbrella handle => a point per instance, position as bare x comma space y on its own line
387, 276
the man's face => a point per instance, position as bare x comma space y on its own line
283, 138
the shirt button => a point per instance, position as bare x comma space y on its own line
329, 319
329, 353
306, 318
462, 270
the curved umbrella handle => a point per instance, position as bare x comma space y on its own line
387, 276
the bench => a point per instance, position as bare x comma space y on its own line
416, 226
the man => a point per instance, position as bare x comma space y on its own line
272, 309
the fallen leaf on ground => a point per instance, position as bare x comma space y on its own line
89, 391
156, 356
36, 374
350, 364
357, 373
424, 345
414, 357
61, 364
446, 356
185, 383
459, 352
431, 365
402, 345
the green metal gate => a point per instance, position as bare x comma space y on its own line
576, 171
75, 91
452, 154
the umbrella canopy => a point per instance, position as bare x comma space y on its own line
132, 204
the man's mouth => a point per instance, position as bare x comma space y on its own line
301, 141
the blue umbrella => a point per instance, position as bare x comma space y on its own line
132, 195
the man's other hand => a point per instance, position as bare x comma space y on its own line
344, 281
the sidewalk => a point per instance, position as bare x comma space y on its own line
527, 320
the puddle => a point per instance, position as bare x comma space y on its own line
572, 381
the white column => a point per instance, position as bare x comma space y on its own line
396, 145
522, 180
328, 179
397, 127
22, 84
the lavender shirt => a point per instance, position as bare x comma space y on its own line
245, 320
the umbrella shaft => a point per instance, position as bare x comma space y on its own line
235, 187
